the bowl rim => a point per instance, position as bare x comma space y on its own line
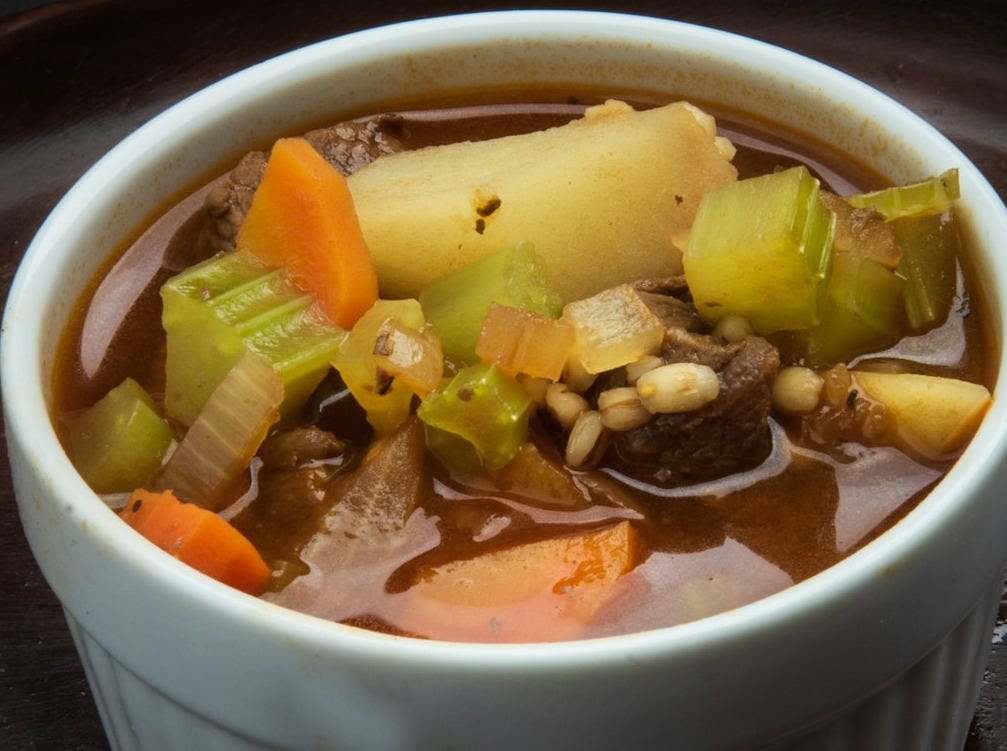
24, 393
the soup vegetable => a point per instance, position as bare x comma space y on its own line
528, 372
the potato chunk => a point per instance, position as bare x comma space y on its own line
607, 191
933, 415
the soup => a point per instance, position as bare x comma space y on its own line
634, 517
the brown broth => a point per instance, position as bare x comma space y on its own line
705, 549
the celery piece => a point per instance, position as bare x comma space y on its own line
221, 442
932, 196
456, 304
931, 244
453, 450
613, 328
386, 400
480, 418
231, 304
863, 312
118, 443
761, 249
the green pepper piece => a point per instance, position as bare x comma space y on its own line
761, 248
457, 304
118, 443
479, 419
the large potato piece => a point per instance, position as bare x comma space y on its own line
933, 415
601, 199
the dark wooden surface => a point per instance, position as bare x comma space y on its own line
76, 77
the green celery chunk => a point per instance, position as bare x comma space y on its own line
216, 311
931, 244
863, 312
932, 196
761, 248
457, 304
118, 443
387, 403
479, 419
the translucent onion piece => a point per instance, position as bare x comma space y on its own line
226, 434
412, 357
612, 329
520, 341
386, 400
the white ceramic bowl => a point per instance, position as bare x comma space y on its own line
884, 650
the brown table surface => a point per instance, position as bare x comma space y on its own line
76, 77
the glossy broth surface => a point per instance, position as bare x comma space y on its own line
701, 550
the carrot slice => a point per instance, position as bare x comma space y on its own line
541, 591
199, 538
302, 219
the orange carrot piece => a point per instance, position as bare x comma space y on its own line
540, 591
302, 219
198, 537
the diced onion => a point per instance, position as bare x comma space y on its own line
226, 434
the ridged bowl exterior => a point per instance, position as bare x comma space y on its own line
928, 706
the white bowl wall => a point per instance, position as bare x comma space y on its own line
870, 651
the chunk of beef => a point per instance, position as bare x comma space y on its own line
728, 435
229, 199
668, 298
292, 447
347, 146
